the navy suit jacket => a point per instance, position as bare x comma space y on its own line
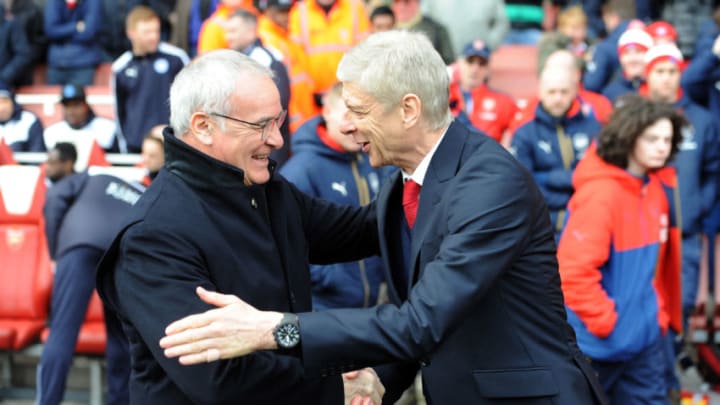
484, 316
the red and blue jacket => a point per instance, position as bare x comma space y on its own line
619, 258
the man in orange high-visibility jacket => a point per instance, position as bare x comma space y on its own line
212, 32
327, 29
273, 31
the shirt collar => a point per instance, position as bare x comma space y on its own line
418, 175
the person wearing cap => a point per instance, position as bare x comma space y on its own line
242, 36
472, 101
273, 31
141, 78
698, 163
553, 142
632, 46
604, 61
82, 214
80, 121
21, 130
662, 32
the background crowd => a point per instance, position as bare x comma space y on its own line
592, 57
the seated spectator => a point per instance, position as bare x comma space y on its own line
16, 54
554, 141
81, 121
382, 19
329, 164
20, 129
632, 46
619, 255
574, 24
142, 77
409, 16
472, 101
72, 28
60, 162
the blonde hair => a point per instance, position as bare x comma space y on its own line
572, 16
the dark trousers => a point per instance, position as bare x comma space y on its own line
640, 380
73, 285
82, 76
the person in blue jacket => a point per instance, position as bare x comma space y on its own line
552, 143
16, 54
632, 47
330, 165
698, 163
72, 28
82, 214
605, 63
20, 129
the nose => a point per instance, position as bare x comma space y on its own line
347, 125
275, 138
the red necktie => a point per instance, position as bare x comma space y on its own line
411, 194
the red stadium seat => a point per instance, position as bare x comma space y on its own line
6, 154
25, 273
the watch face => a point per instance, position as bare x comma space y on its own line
287, 335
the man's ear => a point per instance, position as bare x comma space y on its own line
410, 108
201, 127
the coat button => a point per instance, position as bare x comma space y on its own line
253, 203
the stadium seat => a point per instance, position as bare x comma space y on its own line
89, 153
6, 154
103, 73
25, 267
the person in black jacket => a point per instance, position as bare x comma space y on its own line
15, 51
82, 214
243, 231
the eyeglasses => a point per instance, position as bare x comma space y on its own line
265, 126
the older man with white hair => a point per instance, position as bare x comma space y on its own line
243, 231
474, 286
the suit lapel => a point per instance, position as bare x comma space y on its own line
389, 201
443, 167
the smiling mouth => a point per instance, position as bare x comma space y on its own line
261, 157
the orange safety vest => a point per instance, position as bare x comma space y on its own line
302, 105
326, 37
212, 32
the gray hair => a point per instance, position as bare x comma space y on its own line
207, 83
389, 65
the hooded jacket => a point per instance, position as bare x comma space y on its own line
619, 258
343, 178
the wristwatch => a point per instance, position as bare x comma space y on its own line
287, 332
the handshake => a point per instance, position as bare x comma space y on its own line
363, 387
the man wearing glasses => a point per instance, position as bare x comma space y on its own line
218, 217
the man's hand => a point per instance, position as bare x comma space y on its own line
234, 329
363, 387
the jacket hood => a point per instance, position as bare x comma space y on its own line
306, 139
593, 168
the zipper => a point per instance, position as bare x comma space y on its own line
363, 199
